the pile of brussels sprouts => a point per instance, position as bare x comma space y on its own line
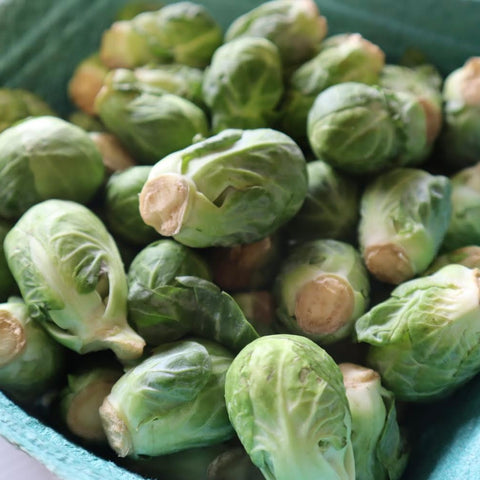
244, 248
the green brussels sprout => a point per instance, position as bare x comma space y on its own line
183, 32
86, 122
250, 266
321, 289
360, 128
170, 296
85, 83
459, 142
71, 277
464, 227
171, 401
236, 187
410, 334
342, 58
424, 82
81, 398
121, 206
295, 27
404, 215
258, 306
7, 283
46, 157
30, 360
468, 256
331, 207
286, 401
379, 448
243, 84
149, 122
17, 104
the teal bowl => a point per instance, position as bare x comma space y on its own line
42, 41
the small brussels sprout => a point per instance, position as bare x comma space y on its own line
321, 289
121, 206
170, 296
259, 309
424, 82
342, 58
171, 401
464, 226
410, 334
331, 207
17, 104
236, 187
114, 156
149, 122
295, 27
71, 277
250, 266
30, 360
286, 400
87, 122
7, 283
243, 84
86, 82
46, 157
378, 446
81, 399
459, 142
360, 128
183, 32
468, 256
404, 215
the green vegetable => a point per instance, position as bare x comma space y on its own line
30, 360
321, 289
243, 84
172, 401
468, 256
121, 206
149, 122
183, 32
362, 129
46, 157
404, 216
331, 207
423, 340
170, 296
286, 400
295, 27
7, 283
236, 187
379, 448
71, 277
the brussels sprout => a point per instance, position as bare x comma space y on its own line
404, 215
342, 58
321, 289
114, 155
424, 82
295, 27
459, 142
81, 399
17, 104
172, 401
378, 446
468, 256
259, 309
464, 226
87, 122
360, 128
287, 403
7, 283
235, 187
30, 360
250, 266
121, 206
183, 32
170, 296
233, 464
71, 277
86, 82
150, 123
331, 207
243, 84
46, 157
410, 334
